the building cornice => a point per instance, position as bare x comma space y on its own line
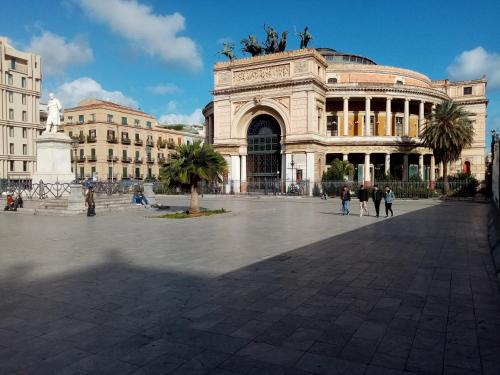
345, 90
471, 101
270, 85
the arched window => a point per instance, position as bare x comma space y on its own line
332, 80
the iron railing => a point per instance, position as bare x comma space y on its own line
35, 190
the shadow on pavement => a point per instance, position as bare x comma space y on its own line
415, 293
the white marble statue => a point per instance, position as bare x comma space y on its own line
53, 114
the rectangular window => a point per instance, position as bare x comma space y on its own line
11, 148
124, 154
11, 131
399, 126
92, 117
136, 122
23, 82
110, 153
25, 133
25, 149
124, 172
332, 125
137, 173
136, 136
124, 121
70, 120
11, 166
81, 119
25, 166
82, 172
11, 114
137, 154
10, 79
11, 97
110, 119
25, 116
81, 153
70, 134
372, 124
13, 63
92, 153
93, 172
23, 99
468, 90
148, 124
110, 172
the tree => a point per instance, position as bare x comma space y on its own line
449, 131
191, 164
338, 170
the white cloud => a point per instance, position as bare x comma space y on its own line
195, 118
171, 106
169, 88
155, 34
71, 93
474, 64
57, 54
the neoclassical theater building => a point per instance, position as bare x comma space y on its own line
286, 116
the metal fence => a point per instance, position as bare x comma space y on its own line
35, 190
404, 189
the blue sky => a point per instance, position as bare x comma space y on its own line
158, 55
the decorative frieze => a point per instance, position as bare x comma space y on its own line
300, 67
224, 78
262, 74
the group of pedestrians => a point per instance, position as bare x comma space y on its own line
13, 202
363, 194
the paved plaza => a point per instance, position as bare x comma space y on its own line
276, 286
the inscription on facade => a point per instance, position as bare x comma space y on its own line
262, 74
300, 67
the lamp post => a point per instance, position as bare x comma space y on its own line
148, 157
75, 144
292, 164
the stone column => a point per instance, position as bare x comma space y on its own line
388, 118
406, 122
421, 166
432, 175
441, 170
367, 176
310, 171
235, 173
387, 166
367, 116
420, 118
346, 116
243, 169
405, 167
345, 156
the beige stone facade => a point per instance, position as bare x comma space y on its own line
320, 104
20, 87
117, 142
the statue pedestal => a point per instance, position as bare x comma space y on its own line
53, 158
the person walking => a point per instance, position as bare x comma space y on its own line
388, 198
89, 201
377, 198
345, 197
363, 201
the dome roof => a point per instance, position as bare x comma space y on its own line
333, 56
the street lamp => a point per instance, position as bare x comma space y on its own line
74, 144
292, 164
148, 157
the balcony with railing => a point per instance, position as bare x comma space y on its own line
138, 142
112, 158
81, 138
139, 176
150, 143
126, 159
112, 139
91, 139
171, 145
161, 143
126, 141
150, 160
138, 160
92, 158
162, 160
80, 159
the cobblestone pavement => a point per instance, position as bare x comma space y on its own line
274, 287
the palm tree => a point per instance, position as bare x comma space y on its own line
191, 164
339, 170
448, 132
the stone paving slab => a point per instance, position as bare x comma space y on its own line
274, 287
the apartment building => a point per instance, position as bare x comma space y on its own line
115, 142
20, 87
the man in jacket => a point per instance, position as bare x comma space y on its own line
377, 198
90, 202
389, 198
363, 201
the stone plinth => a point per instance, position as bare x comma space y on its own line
53, 159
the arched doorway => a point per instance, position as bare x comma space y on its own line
466, 168
264, 156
